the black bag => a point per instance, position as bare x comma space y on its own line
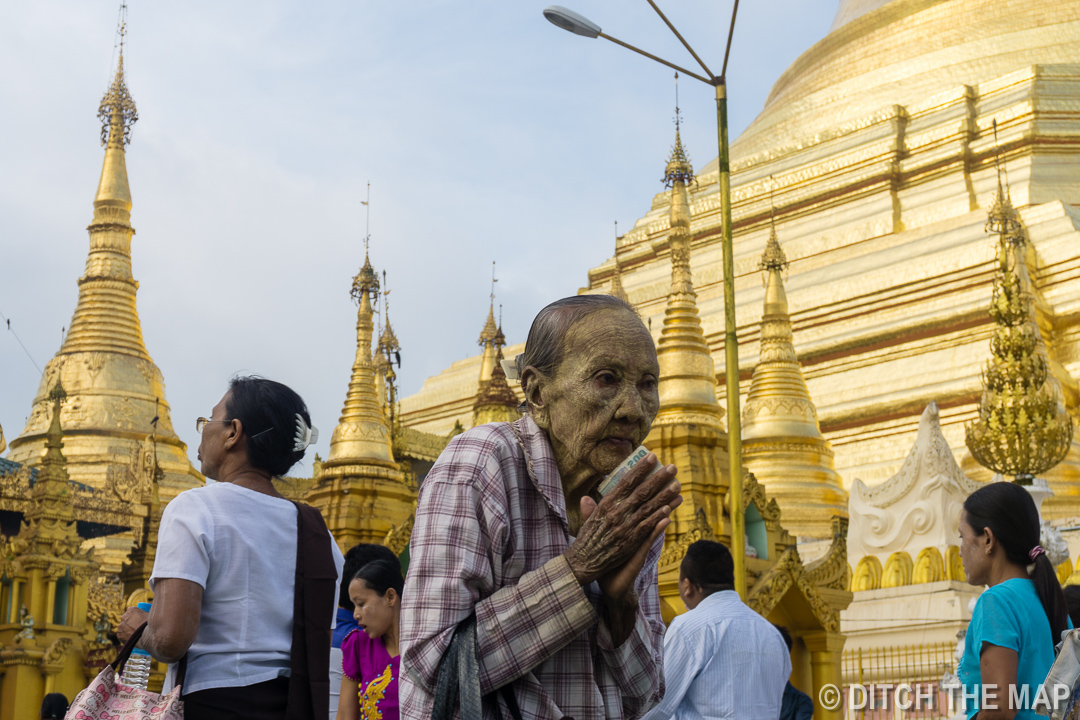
459, 680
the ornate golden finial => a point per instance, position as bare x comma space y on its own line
117, 110
57, 393
678, 167
773, 258
366, 281
54, 436
388, 342
1023, 428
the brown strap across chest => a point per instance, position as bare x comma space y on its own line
315, 591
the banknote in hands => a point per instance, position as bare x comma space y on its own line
626, 466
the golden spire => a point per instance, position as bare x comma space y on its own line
362, 433
51, 513
687, 377
487, 334
387, 352
1023, 428
360, 489
782, 442
496, 401
105, 316
113, 384
616, 289
487, 337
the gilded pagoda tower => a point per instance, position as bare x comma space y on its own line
688, 429
496, 401
782, 443
360, 488
688, 433
116, 394
45, 573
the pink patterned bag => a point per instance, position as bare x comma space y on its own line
106, 698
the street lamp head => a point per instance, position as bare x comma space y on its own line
570, 20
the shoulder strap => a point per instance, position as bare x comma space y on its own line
313, 596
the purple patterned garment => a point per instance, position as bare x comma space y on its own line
489, 535
366, 661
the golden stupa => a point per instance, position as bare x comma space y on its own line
782, 443
688, 432
360, 488
496, 401
879, 143
117, 429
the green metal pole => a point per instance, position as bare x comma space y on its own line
731, 351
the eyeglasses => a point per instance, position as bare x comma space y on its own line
200, 423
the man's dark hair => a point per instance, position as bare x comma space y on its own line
268, 411
357, 557
708, 565
786, 635
381, 575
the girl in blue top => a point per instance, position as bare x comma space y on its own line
1019, 619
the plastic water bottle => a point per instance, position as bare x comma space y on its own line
137, 669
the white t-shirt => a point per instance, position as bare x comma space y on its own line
240, 546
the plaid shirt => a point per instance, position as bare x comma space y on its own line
489, 535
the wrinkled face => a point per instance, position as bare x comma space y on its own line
212, 444
374, 613
601, 402
973, 552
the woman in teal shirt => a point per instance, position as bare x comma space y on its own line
1018, 620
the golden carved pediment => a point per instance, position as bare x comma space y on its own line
700, 529
775, 582
397, 539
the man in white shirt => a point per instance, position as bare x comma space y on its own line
721, 659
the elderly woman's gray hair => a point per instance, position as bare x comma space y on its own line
544, 347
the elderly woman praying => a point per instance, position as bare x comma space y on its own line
510, 526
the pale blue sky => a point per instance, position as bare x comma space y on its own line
486, 133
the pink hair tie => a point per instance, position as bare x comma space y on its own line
1036, 552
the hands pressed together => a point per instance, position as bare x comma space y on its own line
617, 532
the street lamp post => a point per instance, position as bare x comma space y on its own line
579, 25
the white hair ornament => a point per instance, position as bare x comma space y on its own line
305, 435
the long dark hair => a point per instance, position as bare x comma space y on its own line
1008, 510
